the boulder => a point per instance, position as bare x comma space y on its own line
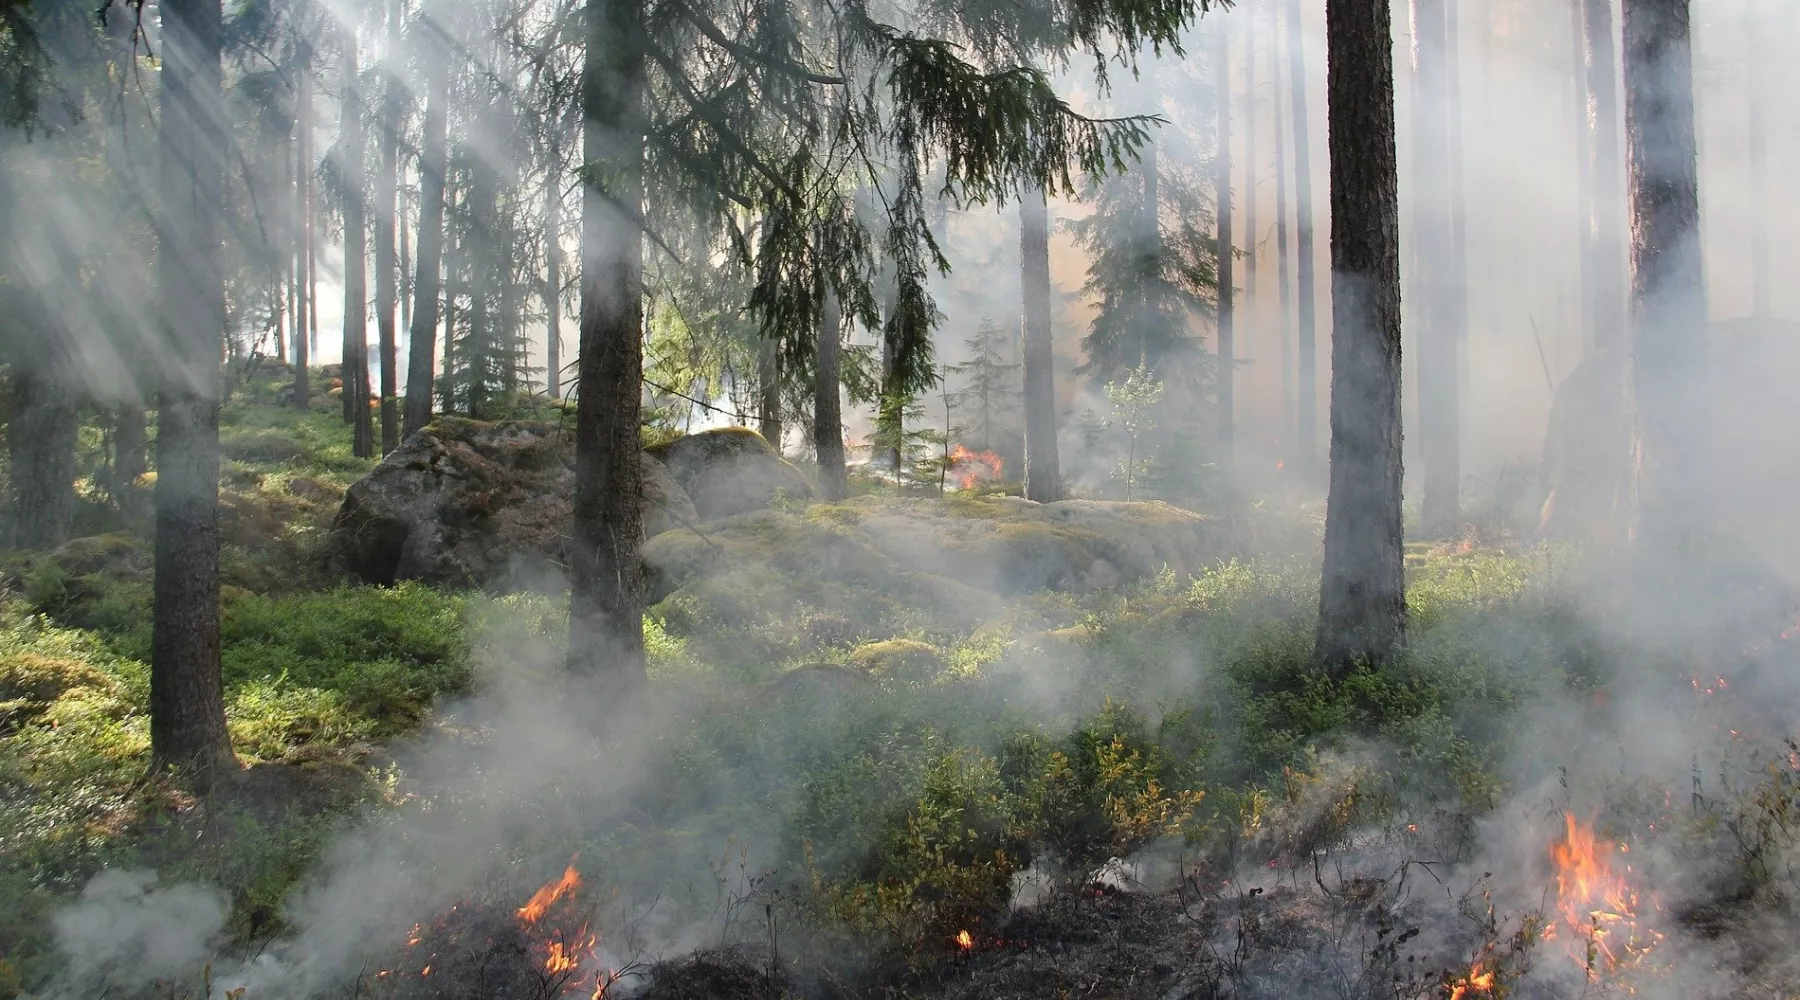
731, 470
1752, 367
462, 502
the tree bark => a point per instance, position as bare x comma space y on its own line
434, 151
1608, 280
303, 284
828, 418
769, 385
606, 613
187, 698
1439, 410
356, 289
1251, 233
1306, 445
1043, 471
386, 267
41, 447
1362, 598
1227, 319
553, 265
1284, 270
1756, 59
1668, 293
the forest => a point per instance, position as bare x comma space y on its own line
882, 499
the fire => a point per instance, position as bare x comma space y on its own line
544, 898
1475, 983
974, 466
965, 940
1598, 905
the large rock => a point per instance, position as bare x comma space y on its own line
464, 502
1752, 368
731, 470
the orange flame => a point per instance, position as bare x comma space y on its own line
974, 466
1598, 905
965, 940
1476, 982
544, 898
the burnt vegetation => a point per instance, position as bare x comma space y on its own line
837, 501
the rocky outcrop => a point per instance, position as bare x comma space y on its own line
731, 470
464, 502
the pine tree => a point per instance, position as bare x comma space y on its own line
1668, 288
433, 173
990, 385
1362, 597
187, 707
1306, 438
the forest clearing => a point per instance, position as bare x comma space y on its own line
802, 500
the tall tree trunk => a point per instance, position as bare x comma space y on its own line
1283, 271
1362, 596
1251, 233
553, 265
1306, 445
386, 267
1756, 60
1456, 289
130, 451
303, 168
1668, 292
1043, 466
1609, 277
606, 611
41, 447
1152, 236
1439, 432
422, 344
828, 418
434, 151
187, 696
1584, 173
356, 290
768, 379
1227, 319
890, 414
406, 285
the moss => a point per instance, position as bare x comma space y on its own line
902, 659
30, 681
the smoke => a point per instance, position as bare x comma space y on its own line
126, 930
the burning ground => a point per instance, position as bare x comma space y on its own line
862, 775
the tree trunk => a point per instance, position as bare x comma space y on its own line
1043, 471
41, 447
386, 267
1362, 596
606, 611
1306, 445
1227, 342
303, 166
1584, 174
130, 452
553, 265
1456, 289
769, 383
356, 290
1609, 262
828, 419
187, 697
406, 285
1251, 233
433, 156
1283, 271
1756, 60
1152, 236
1668, 293
1439, 431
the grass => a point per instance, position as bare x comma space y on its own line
1049, 730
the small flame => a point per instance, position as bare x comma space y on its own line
1598, 905
974, 466
965, 940
544, 898
1476, 982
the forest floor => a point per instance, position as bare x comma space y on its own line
1572, 784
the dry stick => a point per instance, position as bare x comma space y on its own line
1542, 359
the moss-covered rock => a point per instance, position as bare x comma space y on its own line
116, 553
731, 470
465, 502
